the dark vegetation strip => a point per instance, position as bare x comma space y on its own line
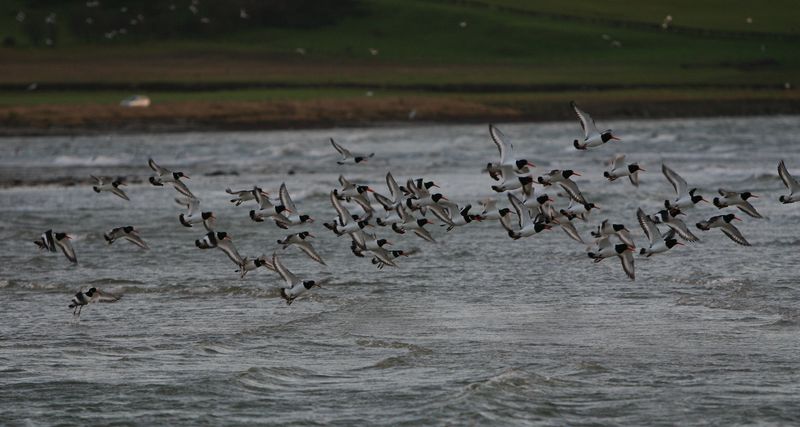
415, 87
637, 25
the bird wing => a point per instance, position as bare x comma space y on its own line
46, 241
118, 192
734, 234
618, 162
230, 250
67, 248
394, 189
678, 183
727, 193
570, 229
344, 215
505, 148
572, 190
156, 168
284, 272
100, 296
182, 188
383, 256
749, 209
587, 123
681, 228
523, 217
634, 177
787, 178
627, 264
134, 238
626, 238
193, 204
387, 203
99, 181
345, 183
207, 242
309, 250
343, 151
506, 223
285, 199
421, 232
648, 226
439, 212
115, 234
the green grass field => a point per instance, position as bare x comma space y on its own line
418, 43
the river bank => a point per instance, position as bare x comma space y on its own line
375, 109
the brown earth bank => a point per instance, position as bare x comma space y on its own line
72, 119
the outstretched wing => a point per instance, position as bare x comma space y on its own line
734, 234
343, 151
649, 228
749, 209
627, 264
100, 296
284, 272
286, 200
67, 248
505, 148
787, 178
678, 183
341, 211
587, 123
156, 168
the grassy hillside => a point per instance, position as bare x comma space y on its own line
502, 52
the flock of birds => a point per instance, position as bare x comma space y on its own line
411, 207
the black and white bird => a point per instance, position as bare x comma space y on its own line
344, 223
249, 265
50, 241
669, 218
606, 229
47, 241
592, 137
685, 198
723, 222
266, 209
301, 241
551, 215
392, 255
790, 182
109, 185
194, 215
348, 157
369, 243
527, 226
289, 216
411, 223
294, 287
91, 296
164, 175
620, 169
128, 233
222, 241
605, 249
242, 196
460, 217
562, 177
578, 210
658, 242
509, 167
733, 198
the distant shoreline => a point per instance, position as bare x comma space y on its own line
205, 116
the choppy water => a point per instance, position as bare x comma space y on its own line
477, 329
